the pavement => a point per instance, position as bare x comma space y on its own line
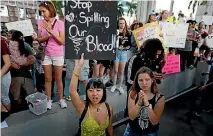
64, 122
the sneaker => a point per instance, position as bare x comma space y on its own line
121, 90
49, 104
67, 98
62, 103
113, 89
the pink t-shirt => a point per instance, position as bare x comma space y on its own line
53, 48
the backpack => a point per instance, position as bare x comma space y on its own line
84, 113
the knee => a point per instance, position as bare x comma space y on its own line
58, 79
115, 70
48, 79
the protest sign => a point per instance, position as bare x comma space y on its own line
208, 20
25, 26
148, 31
209, 41
175, 34
90, 28
172, 64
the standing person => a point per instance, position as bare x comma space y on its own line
163, 18
96, 114
152, 17
5, 75
145, 105
124, 44
51, 33
186, 54
21, 63
135, 25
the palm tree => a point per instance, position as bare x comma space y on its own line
58, 5
196, 3
131, 8
120, 10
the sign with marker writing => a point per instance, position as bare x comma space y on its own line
209, 41
172, 64
25, 26
148, 31
90, 28
175, 34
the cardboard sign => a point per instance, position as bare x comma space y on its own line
175, 34
208, 20
25, 26
148, 31
172, 64
90, 28
209, 41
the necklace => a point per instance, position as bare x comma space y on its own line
98, 109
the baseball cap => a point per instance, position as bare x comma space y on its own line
152, 12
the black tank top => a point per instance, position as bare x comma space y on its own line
142, 125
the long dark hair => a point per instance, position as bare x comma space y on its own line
136, 88
18, 36
150, 48
93, 84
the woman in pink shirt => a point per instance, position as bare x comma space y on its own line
51, 33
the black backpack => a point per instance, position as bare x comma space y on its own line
84, 113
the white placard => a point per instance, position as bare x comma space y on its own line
209, 41
25, 26
208, 20
62, 9
175, 34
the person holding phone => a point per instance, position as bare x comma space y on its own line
145, 105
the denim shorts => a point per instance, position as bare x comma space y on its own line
84, 74
121, 56
128, 132
5, 86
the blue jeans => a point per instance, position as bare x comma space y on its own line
5, 86
128, 132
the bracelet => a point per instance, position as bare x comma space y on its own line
75, 74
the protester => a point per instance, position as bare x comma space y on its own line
152, 17
121, 54
151, 55
21, 62
96, 114
185, 53
135, 25
163, 18
145, 105
5, 76
51, 33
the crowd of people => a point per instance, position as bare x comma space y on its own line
25, 71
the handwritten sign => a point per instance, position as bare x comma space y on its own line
209, 41
175, 34
25, 26
208, 20
148, 31
172, 64
90, 29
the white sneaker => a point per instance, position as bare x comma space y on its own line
121, 90
49, 104
113, 89
62, 103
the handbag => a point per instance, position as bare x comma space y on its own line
42, 48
